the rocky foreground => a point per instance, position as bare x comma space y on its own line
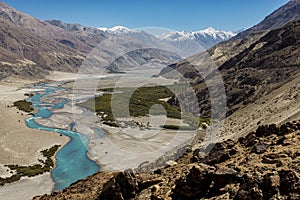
262, 165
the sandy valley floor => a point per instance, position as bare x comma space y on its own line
21, 145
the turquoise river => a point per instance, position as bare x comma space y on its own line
72, 162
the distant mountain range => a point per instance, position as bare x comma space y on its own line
206, 38
188, 42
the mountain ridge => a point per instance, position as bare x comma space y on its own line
191, 42
279, 17
27, 54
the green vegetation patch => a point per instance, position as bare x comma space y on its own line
33, 170
23, 105
27, 170
140, 103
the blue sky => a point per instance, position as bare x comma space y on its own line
172, 14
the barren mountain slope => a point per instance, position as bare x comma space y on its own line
26, 54
81, 40
281, 16
265, 65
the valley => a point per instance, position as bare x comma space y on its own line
149, 113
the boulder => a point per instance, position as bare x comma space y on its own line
195, 184
251, 194
224, 176
249, 140
220, 152
122, 186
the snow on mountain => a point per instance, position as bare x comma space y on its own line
189, 43
118, 30
207, 34
196, 41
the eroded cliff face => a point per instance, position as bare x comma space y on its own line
262, 165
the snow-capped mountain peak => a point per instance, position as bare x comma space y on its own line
209, 33
176, 36
209, 30
118, 30
189, 42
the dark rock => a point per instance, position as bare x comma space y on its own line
240, 179
122, 186
198, 153
249, 140
232, 152
188, 150
296, 154
279, 163
266, 130
220, 153
288, 128
194, 159
247, 183
224, 176
255, 193
216, 157
281, 140
195, 184
251, 194
155, 190
289, 182
241, 195
158, 171
270, 184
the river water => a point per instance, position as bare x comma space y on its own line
72, 162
